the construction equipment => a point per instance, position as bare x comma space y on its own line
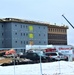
68, 21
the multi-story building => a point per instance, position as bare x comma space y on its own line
17, 33
57, 35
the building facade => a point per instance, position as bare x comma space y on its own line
17, 33
57, 35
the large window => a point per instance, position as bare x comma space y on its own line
31, 35
30, 28
57, 36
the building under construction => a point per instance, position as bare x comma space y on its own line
17, 33
57, 35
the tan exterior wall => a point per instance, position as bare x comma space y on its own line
57, 35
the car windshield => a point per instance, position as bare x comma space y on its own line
40, 53
60, 54
52, 54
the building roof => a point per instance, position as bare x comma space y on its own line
60, 26
30, 22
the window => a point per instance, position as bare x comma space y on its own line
51, 30
21, 26
31, 35
65, 31
39, 41
16, 49
24, 34
44, 34
15, 25
21, 42
15, 33
26, 26
39, 34
61, 30
30, 28
15, 41
2, 25
55, 30
44, 27
44, 42
39, 27
2, 34
24, 42
21, 34
2, 42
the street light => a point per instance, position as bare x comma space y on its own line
14, 62
40, 63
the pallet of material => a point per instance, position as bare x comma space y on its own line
5, 60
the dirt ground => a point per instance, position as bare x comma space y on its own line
5, 60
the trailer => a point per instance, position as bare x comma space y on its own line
64, 49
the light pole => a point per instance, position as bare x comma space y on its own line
14, 62
59, 68
40, 64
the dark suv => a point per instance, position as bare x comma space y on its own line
36, 57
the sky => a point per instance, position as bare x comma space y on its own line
49, 11
52, 68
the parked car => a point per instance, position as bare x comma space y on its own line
36, 57
57, 56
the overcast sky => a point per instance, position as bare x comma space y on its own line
41, 10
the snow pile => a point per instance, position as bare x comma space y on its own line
50, 68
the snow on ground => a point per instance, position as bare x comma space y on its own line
50, 68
